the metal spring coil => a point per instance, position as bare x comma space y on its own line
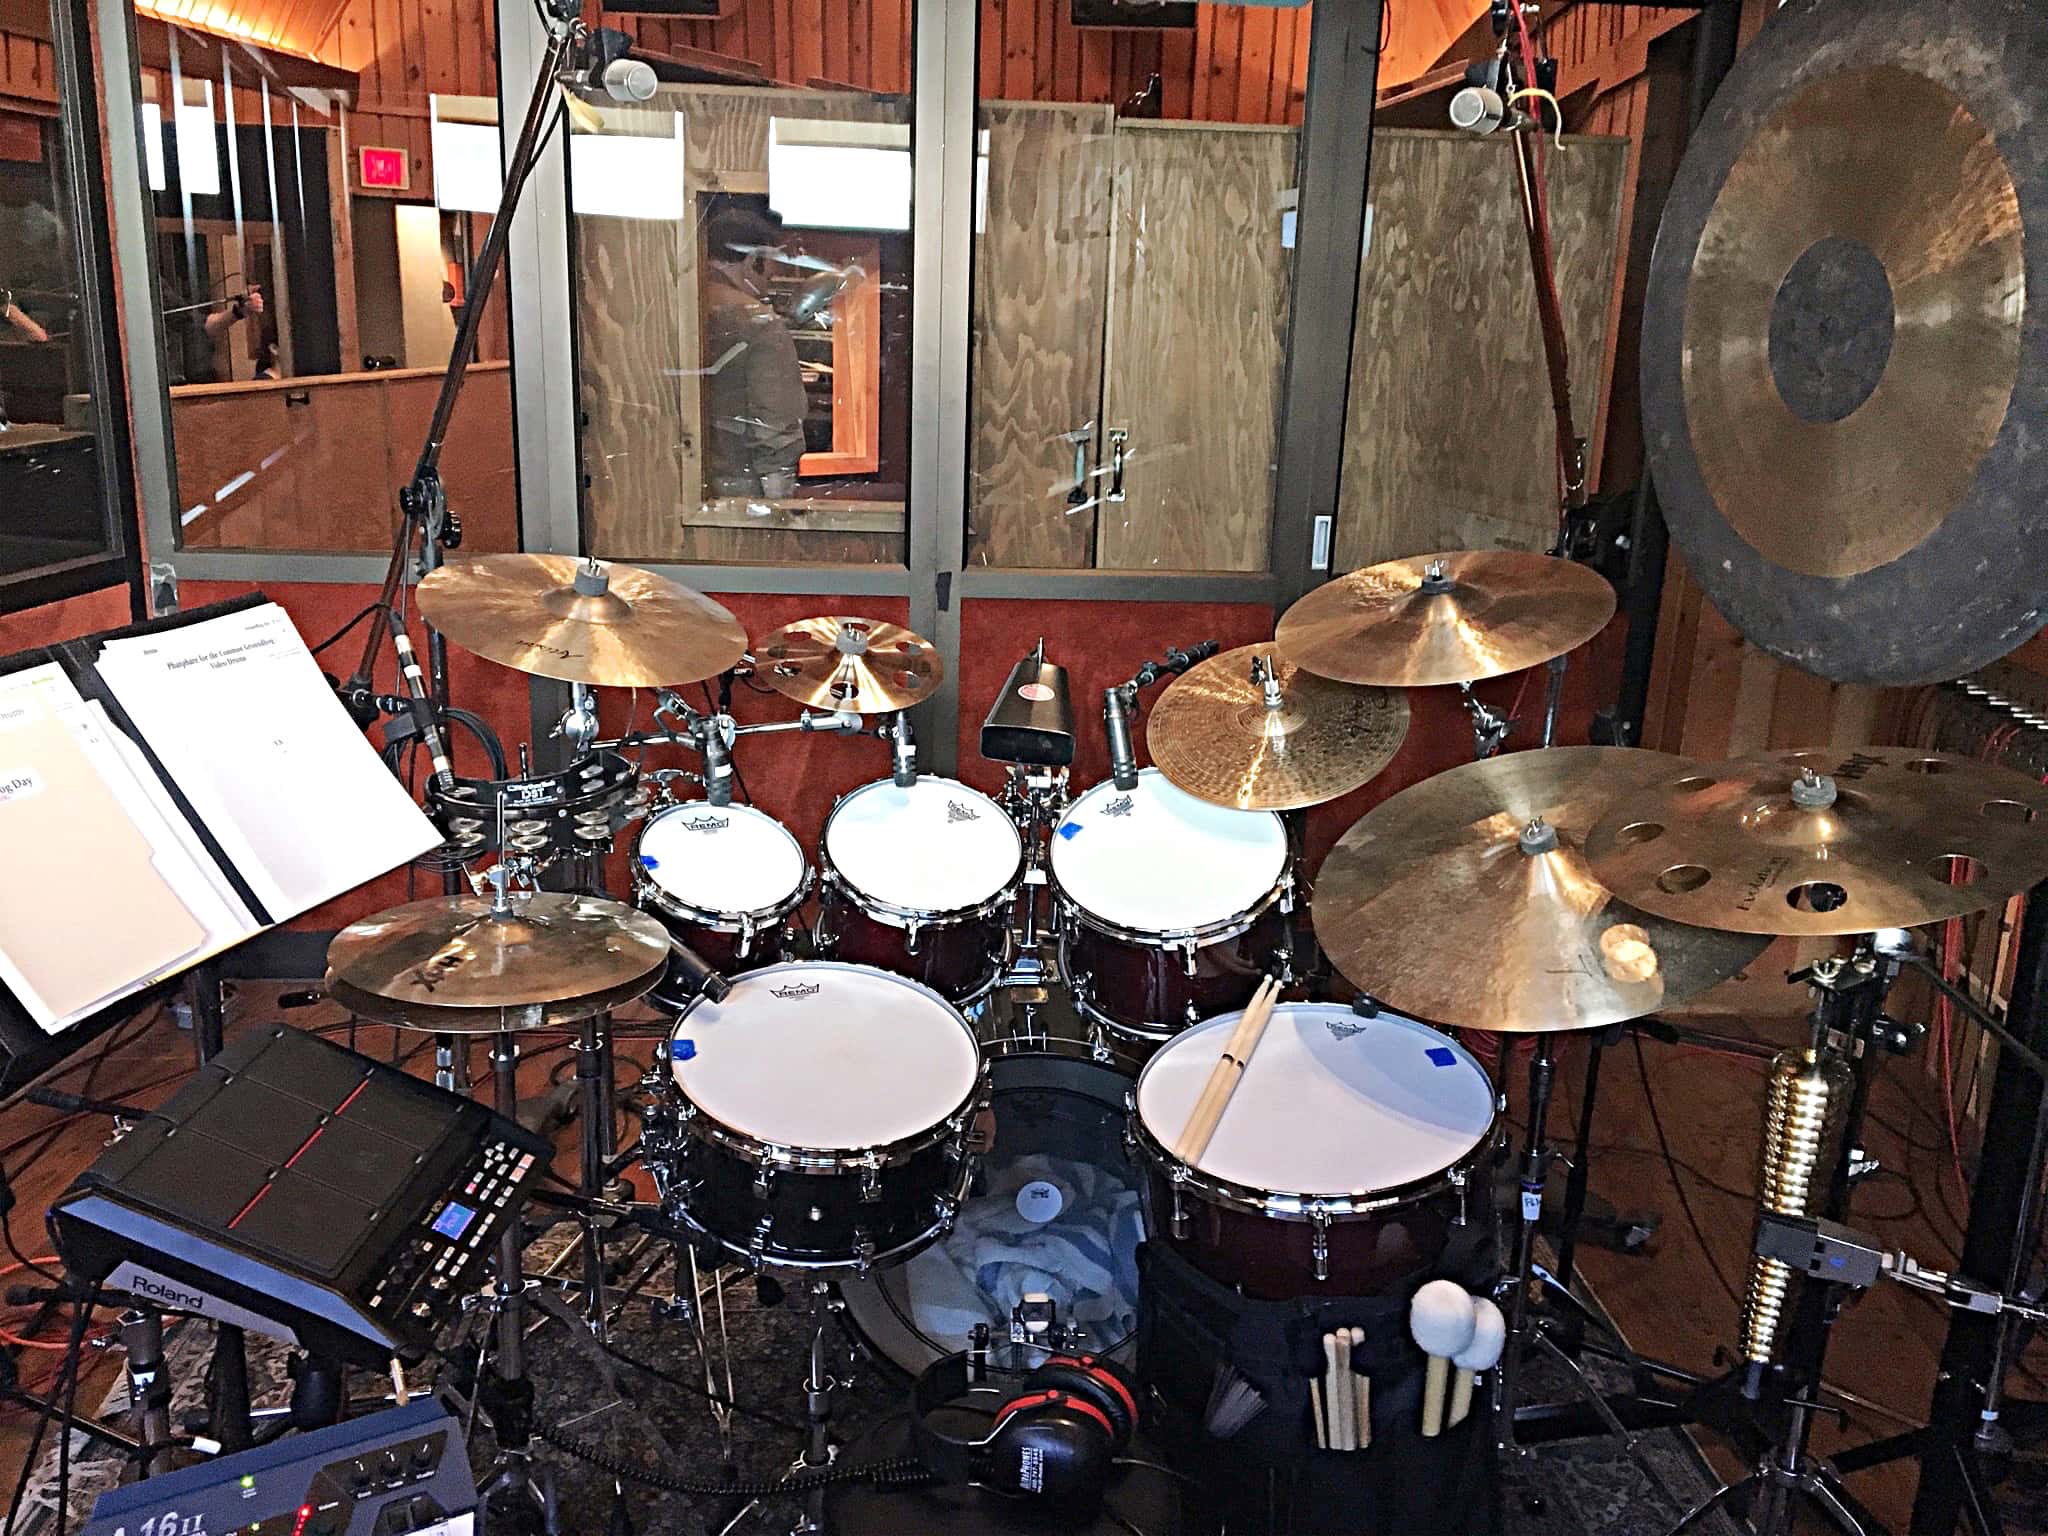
1808, 1100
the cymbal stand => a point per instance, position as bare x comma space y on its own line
819, 1451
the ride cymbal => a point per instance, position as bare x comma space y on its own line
580, 621
1247, 730
1455, 617
1844, 364
1825, 842
1467, 900
863, 665
458, 964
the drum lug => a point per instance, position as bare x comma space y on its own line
871, 1178
1192, 1014
1319, 1243
1287, 892
863, 1250
757, 1245
746, 934
764, 1178
910, 942
1099, 1048
1457, 1177
1179, 1220
1187, 956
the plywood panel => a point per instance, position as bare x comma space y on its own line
1198, 316
1449, 436
1040, 276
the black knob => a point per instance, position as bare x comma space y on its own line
423, 1456
358, 1478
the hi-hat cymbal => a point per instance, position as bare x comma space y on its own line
1456, 617
458, 964
864, 665
1467, 900
1233, 733
582, 622
1825, 842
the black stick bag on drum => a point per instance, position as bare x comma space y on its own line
1189, 1328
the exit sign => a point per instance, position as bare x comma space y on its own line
381, 167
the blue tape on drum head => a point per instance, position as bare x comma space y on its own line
1442, 1055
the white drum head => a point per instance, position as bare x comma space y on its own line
937, 846
1156, 860
833, 1057
1331, 1104
722, 858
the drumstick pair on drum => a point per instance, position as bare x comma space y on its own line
1228, 1072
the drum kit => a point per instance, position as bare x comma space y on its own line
885, 1105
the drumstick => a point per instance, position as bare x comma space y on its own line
1315, 1392
1331, 1395
1361, 1386
1214, 1089
1229, 1071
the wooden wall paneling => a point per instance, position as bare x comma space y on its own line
810, 38
341, 217
220, 439
1255, 65
476, 459
1197, 324
346, 451
1040, 278
1448, 440
890, 21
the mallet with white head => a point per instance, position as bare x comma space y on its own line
1489, 1333
1440, 1319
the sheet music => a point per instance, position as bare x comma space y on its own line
110, 894
236, 710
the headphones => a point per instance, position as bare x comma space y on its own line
1051, 1438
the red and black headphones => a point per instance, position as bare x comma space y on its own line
1053, 1434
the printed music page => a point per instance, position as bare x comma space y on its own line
236, 710
96, 904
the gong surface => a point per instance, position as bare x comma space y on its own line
1845, 358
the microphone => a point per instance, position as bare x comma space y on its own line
717, 764
696, 970
604, 66
1478, 109
1116, 725
902, 752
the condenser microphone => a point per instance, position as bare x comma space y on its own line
1478, 109
703, 981
717, 764
605, 66
1116, 725
902, 753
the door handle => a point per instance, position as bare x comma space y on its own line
298, 397
1081, 437
1117, 438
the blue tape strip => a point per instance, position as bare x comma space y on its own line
649, 861
1068, 829
681, 1050
1442, 1055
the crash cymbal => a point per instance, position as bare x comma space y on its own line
1235, 733
583, 622
1449, 618
1837, 841
1467, 900
863, 665
457, 963
1843, 360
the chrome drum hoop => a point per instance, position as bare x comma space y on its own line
892, 916
954, 1127
1071, 910
649, 893
676, 1209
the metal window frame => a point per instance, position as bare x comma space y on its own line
1334, 161
84, 197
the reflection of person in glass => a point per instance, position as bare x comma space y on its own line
753, 382
190, 331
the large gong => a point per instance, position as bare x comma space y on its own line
1845, 339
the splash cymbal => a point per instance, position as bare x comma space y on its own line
457, 963
1467, 900
863, 665
1456, 617
580, 621
1825, 842
1247, 730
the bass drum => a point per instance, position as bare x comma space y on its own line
1056, 1208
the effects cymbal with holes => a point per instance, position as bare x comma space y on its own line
1467, 900
458, 964
1456, 617
581, 621
866, 666
1825, 842
1229, 733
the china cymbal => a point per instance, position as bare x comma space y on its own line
1825, 842
864, 665
580, 621
455, 963
1467, 900
1230, 733
1850, 325
1456, 617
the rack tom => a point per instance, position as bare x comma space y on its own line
725, 880
920, 880
1350, 1149
1170, 908
820, 1119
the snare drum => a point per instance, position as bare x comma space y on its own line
820, 1118
722, 878
920, 881
1170, 908
1341, 1163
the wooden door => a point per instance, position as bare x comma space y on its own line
1041, 275
1198, 308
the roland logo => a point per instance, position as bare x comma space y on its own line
794, 990
708, 823
1122, 805
162, 1290
955, 811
